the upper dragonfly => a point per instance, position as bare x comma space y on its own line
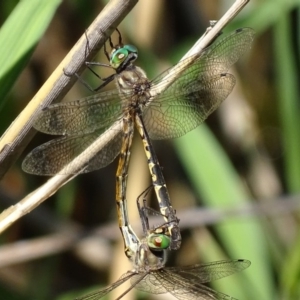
160, 109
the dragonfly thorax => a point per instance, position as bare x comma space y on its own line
134, 86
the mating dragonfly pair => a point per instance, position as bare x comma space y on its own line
162, 108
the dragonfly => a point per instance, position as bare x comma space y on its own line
150, 275
159, 109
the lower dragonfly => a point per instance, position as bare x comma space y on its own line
150, 275
159, 109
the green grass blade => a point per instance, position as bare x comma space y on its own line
288, 101
217, 183
288, 107
19, 35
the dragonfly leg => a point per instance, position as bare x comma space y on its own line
105, 80
142, 210
120, 37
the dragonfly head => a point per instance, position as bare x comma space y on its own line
151, 253
158, 242
123, 55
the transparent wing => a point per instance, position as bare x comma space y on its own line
183, 289
203, 273
80, 116
151, 283
201, 86
99, 294
185, 283
198, 292
50, 158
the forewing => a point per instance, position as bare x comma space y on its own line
50, 158
203, 273
214, 59
80, 116
184, 289
188, 94
99, 294
223, 53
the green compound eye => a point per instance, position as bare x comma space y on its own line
158, 241
119, 55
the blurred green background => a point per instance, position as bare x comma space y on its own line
246, 156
